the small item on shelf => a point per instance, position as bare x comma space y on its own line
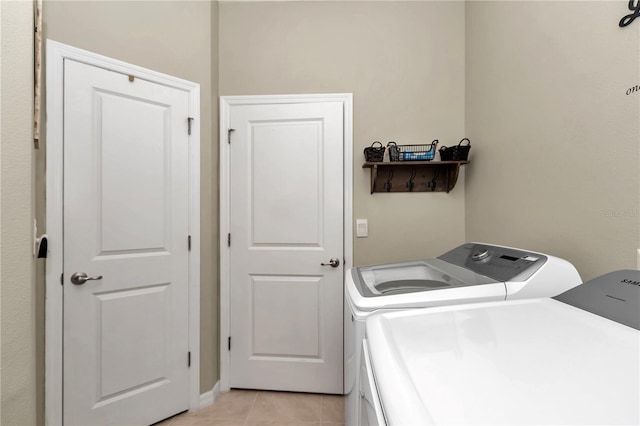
457, 152
392, 148
373, 153
424, 152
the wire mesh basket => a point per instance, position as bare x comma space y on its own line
423, 152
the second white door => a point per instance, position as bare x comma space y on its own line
286, 220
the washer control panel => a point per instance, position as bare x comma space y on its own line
499, 263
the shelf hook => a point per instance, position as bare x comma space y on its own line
387, 184
410, 183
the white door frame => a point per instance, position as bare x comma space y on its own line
226, 102
56, 54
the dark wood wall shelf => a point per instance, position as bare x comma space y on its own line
414, 176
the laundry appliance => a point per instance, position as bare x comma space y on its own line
473, 272
572, 359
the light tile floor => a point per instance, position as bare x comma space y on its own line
250, 407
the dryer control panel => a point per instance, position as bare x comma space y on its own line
615, 296
499, 263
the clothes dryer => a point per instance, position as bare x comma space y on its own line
572, 359
471, 273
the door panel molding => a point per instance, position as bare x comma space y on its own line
57, 53
226, 102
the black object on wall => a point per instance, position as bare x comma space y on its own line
634, 7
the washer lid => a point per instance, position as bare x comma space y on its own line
535, 361
412, 277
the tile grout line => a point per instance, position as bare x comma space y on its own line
246, 420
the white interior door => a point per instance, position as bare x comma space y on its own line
126, 225
286, 219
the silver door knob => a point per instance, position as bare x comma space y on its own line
80, 278
333, 262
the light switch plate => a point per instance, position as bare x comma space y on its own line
362, 228
638, 261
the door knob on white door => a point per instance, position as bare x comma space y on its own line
80, 278
334, 262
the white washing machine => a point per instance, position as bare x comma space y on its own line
572, 359
473, 272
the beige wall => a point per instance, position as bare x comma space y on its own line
18, 387
404, 64
177, 38
556, 163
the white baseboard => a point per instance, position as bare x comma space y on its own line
208, 398
216, 390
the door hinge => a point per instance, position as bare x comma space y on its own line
229, 342
189, 359
229, 135
229, 239
189, 242
62, 278
189, 120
